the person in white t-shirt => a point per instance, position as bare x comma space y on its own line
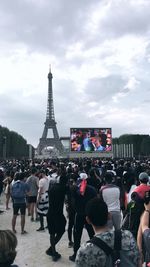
110, 193
42, 198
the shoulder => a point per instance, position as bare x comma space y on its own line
29, 178
109, 187
90, 255
41, 182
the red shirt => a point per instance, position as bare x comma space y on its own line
141, 189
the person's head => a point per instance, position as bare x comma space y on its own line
33, 170
83, 176
143, 178
97, 212
72, 180
109, 177
8, 173
97, 141
8, 244
79, 134
22, 176
92, 172
42, 173
53, 165
17, 176
75, 145
54, 178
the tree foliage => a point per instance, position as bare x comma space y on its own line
141, 143
12, 145
145, 146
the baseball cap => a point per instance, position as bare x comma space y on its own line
83, 176
143, 177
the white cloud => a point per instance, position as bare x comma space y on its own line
99, 54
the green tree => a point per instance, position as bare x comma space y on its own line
145, 146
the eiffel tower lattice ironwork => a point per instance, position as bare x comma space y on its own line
50, 123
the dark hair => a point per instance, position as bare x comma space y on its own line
42, 171
33, 170
22, 175
8, 243
108, 177
17, 176
53, 163
97, 212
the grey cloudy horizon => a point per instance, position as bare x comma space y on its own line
100, 57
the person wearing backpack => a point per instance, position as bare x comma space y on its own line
135, 207
99, 251
19, 190
143, 238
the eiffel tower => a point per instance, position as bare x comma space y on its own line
50, 123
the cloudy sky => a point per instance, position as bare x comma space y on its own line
99, 51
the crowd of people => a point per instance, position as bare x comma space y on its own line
96, 194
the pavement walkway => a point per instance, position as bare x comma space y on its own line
31, 246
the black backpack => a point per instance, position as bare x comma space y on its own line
114, 253
133, 213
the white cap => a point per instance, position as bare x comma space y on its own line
83, 176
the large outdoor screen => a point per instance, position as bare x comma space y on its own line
90, 139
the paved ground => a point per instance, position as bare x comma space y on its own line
31, 247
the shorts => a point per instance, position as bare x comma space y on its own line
32, 199
19, 206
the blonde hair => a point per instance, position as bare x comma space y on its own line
8, 244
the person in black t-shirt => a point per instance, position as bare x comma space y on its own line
55, 217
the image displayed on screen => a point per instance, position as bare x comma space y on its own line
91, 139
